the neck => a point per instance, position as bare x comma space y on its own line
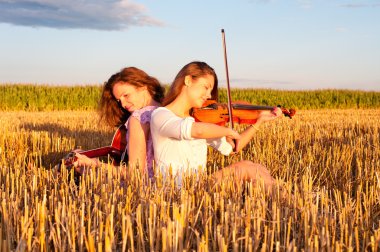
179, 107
151, 102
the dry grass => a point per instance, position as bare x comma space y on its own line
327, 160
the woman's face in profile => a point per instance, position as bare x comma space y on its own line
130, 97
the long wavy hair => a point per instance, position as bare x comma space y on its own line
195, 69
110, 111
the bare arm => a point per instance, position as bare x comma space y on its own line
138, 135
170, 125
247, 134
209, 130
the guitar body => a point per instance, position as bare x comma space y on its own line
119, 142
117, 151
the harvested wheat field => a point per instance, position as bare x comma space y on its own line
327, 162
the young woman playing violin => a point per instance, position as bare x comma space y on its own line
180, 143
129, 97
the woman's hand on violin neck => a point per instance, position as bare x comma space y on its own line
269, 115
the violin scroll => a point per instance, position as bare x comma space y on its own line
287, 113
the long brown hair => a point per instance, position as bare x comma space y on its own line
110, 110
195, 69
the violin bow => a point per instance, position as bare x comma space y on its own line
229, 102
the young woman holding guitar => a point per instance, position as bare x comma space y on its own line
127, 101
180, 142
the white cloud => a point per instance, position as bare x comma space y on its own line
87, 14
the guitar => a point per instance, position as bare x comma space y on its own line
117, 150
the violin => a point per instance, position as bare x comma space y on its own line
239, 112
242, 112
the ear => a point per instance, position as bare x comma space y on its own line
188, 80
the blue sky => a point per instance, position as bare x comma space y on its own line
280, 44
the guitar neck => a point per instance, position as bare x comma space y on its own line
103, 151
